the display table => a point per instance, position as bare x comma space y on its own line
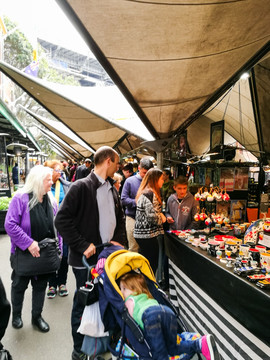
212, 299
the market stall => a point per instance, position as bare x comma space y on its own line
213, 299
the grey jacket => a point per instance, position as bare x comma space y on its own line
183, 213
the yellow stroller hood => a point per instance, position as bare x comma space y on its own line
123, 261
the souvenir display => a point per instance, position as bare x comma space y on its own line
213, 247
266, 226
251, 235
241, 251
257, 277
225, 196
221, 241
245, 270
264, 284
232, 246
217, 194
197, 217
203, 215
261, 248
254, 254
196, 242
265, 261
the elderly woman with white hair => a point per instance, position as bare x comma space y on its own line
30, 219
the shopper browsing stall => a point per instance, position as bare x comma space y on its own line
149, 218
181, 206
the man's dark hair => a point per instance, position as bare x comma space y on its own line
168, 172
146, 164
104, 153
128, 167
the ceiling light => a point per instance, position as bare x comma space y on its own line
244, 76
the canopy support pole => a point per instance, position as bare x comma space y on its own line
160, 160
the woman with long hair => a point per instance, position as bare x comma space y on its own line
149, 218
29, 220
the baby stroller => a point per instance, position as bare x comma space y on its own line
127, 339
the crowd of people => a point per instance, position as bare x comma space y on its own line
101, 201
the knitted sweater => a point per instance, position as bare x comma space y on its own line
148, 221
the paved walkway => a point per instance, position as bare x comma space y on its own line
28, 343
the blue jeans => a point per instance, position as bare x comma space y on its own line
160, 330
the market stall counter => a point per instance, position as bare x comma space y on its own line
212, 299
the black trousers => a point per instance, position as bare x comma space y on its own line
60, 278
4, 311
18, 287
77, 309
150, 249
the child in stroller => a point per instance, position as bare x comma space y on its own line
151, 332
160, 323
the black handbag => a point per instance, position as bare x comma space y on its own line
25, 264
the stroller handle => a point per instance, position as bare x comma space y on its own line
99, 246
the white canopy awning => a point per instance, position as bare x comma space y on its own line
170, 57
92, 130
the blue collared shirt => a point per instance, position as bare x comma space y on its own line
106, 209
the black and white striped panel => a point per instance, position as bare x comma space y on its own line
204, 315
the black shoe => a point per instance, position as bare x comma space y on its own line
78, 355
17, 322
41, 324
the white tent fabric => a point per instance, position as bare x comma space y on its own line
237, 112
92, 129
169, 57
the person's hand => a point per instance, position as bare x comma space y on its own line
34, 249
170, 220
163, 217
91, 250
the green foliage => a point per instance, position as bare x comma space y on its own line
50, 74
17, 49
46, 148
18, 52
4, 203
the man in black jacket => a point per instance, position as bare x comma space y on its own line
91, 214
83, 170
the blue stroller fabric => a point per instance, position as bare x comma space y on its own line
114, 313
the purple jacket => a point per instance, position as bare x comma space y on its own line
17, 222
129, 193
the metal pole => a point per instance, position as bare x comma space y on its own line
27, 167
7, 169
160, 160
